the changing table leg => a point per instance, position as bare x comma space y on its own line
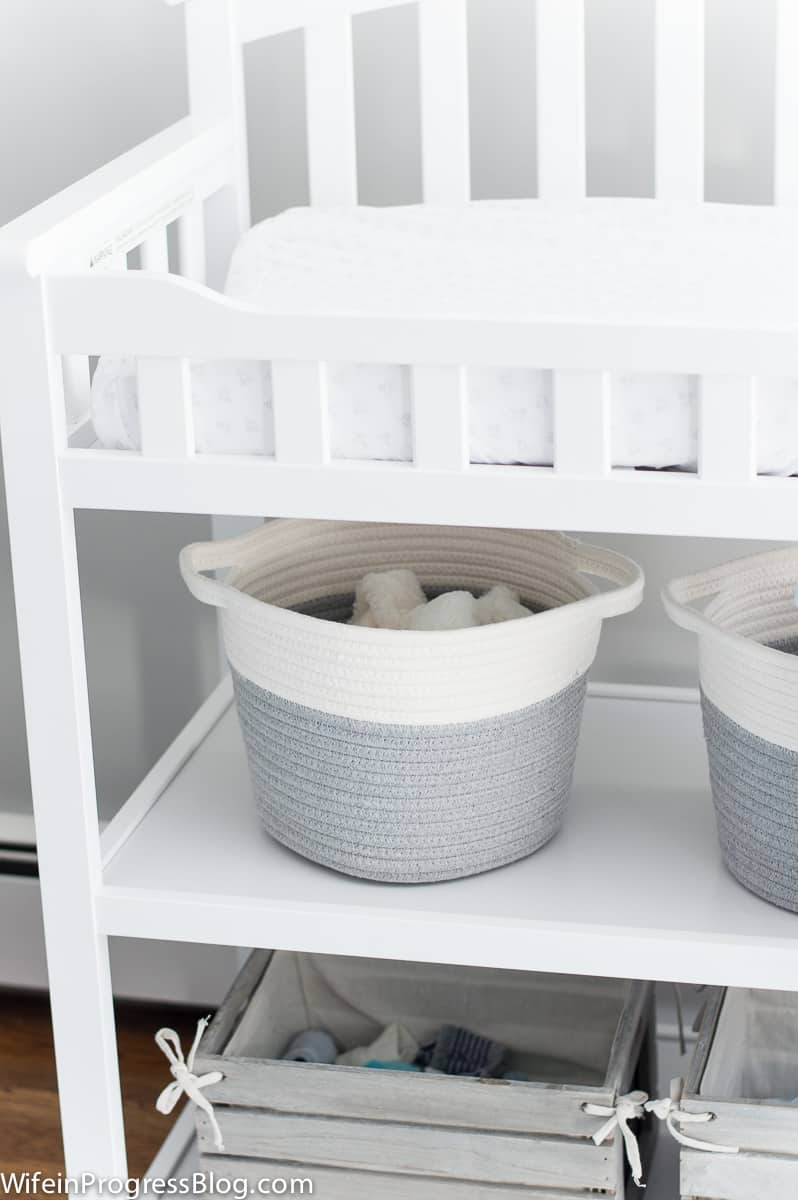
59, 737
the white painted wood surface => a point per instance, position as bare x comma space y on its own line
330, 98
679, 104
165, 411
562, 164
164, 315
440, 418
301, 424
727, 429
655, 810
582, 423
785, 151
445, 138
191, 241
155, 251
47, 594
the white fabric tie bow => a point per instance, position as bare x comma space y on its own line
185, 1081
668, 1110
626, 1108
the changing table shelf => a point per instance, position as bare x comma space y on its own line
633, 885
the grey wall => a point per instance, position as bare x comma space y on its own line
83, 80
80, 82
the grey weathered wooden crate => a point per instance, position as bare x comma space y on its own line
766, 1132
368, 1133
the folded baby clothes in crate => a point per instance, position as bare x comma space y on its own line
453, 1051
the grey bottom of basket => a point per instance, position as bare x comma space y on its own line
410, 804
755, 790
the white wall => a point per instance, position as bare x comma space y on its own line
85, 79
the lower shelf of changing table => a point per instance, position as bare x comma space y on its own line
632, 886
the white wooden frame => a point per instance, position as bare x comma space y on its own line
60, 304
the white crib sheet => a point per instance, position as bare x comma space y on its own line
609, 259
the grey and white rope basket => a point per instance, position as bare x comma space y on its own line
398, 755
748, 663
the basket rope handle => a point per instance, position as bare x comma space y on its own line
611, 566
591, 560
211, 556
749, 574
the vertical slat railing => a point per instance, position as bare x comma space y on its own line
191, 241
727, 428
445, 137
680, 100
785, 152
165, 413
155, 251
562, 168
440, 418
301, 431
582, 427
330, 91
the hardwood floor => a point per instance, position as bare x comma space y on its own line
30, 1136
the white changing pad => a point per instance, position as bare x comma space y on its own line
610, 259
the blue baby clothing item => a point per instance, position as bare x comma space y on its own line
391, 1066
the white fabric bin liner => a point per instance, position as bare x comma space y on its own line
754, 1055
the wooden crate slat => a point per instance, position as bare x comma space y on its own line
412, 1149
336, 1184
357, 1094
737, 1176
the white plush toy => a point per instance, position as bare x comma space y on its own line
394, 600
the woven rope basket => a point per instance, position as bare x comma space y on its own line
748, 661
401, 755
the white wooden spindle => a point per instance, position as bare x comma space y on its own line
216, 86
155, 251
329, 83
785, 152
77, 387
562, 169
680, 100
440, 418
582, 422
300, 413
445, 139
727, 428
165, 413
191, 241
